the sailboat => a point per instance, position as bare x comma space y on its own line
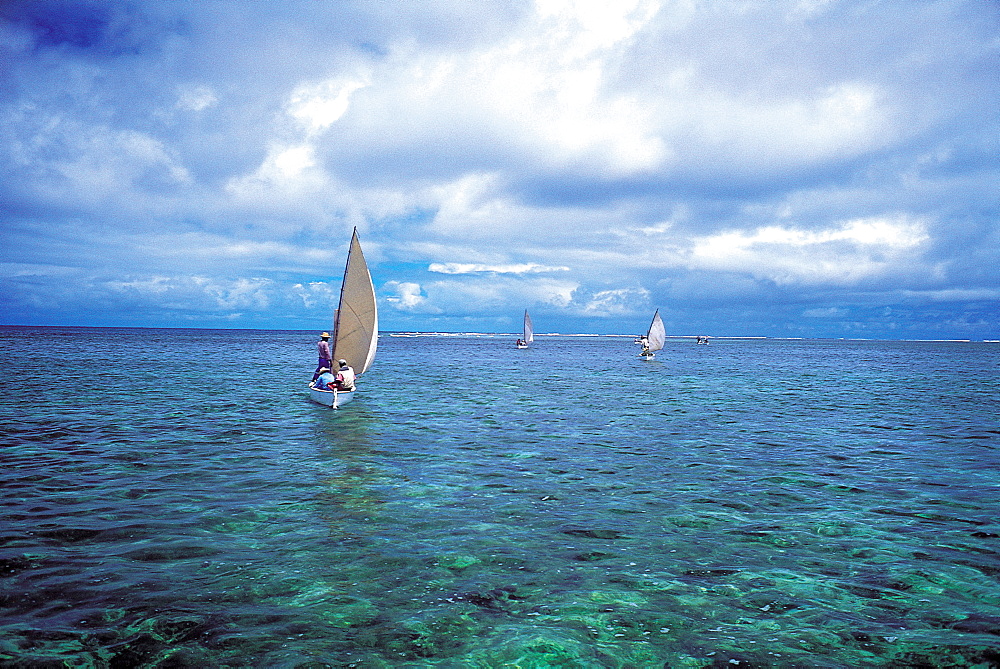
655, 338
355, 325
529, 333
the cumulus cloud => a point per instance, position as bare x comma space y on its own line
319, 105
851, 251
244, 293
488, 298
317, 295
620, 301
408, 296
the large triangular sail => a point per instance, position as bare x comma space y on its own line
529, 332
355, 329
657, 334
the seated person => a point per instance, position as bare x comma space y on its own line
345, 376
325, 381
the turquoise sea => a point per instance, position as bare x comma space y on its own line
171, 498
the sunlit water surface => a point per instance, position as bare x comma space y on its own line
172, 498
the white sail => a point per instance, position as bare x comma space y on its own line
657, 334
355, 330
529, 332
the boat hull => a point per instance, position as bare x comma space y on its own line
330, 398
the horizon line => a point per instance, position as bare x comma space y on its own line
468, 333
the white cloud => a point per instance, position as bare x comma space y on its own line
287, 173
553, 292
155, 285
243, 293
319, 105
616, 302
851, 251
479, 294
475, 268
408, 296
555, 78
317, 295
540, 92
246, 293
838, 122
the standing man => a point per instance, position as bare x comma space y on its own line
323, 348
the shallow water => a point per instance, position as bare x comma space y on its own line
172, 498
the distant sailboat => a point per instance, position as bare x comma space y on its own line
529, 333
655, 338
355, 327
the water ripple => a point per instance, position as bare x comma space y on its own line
755, 503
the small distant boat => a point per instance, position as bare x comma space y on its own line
655, 338
702, 340
355, 325
529, 332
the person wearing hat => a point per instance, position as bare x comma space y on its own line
345, 376
323, 347
325, 380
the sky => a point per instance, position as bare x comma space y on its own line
784, 168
